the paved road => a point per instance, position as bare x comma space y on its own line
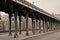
43, 36
51, 36
54, 36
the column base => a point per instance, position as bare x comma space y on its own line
34, 32
10, 34
15, 36
20, 32
27, 34
39, 31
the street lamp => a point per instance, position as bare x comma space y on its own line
33, 2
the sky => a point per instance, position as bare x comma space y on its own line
51, 6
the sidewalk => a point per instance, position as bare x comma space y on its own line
22, 36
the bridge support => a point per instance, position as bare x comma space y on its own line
47, 26
39, 25
36, 25
15, 35
33, 25
10, 34
10, 13
19, 23
43, 26
27, 25
51, 26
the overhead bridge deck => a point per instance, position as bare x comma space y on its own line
33, 7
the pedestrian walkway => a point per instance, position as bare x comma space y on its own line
22, 36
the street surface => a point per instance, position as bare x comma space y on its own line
55, 35
49, 36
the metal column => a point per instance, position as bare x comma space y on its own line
27, 25
43, 26
15, 35
39, 24
33, 25
10, 25
19, 23
11, 9
36, 25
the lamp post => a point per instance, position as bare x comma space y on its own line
33, 2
